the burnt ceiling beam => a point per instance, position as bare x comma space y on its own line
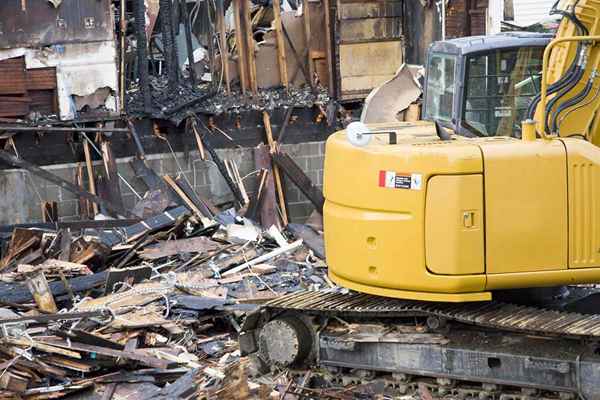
57, 129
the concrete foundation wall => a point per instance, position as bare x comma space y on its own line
22, 193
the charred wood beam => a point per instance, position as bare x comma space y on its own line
284, 125
57, 129
188, 40
139, 12
303, 182
223, 170
34, 169
169, 43
73, 225
20, 294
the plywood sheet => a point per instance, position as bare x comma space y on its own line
364, 66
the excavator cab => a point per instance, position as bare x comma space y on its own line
482, 86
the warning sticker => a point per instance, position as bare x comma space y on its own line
398, 180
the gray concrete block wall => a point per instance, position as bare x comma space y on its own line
22, 193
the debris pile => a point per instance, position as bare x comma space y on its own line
150, 307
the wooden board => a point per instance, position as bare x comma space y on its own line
364, 66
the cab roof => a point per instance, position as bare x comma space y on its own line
475, 44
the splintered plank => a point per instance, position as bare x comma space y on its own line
299, 178
268, 211
90, 171
127, 355
136, 231
110, 167
9, 292
276, 173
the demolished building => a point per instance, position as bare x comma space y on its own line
70, 64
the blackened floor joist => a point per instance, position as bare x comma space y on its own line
295, 173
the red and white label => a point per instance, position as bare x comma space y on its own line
399, 180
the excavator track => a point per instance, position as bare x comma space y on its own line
496, 315
511, 346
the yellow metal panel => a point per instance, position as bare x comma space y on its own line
525, 206
352, 173
411, 295
375, 234
542, 278
454, 242
584, 203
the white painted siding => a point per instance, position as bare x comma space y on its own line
529, 12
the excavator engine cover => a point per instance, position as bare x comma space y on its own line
434, 220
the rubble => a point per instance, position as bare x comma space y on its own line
176, 106
151, 309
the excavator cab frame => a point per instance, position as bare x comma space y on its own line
482, 85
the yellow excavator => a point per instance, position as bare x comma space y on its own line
465, 246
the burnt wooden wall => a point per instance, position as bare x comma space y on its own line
23, 91
246, 129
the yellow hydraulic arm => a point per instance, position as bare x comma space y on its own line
569, 101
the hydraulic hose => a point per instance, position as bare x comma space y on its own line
570, 103
566, 79
572, 82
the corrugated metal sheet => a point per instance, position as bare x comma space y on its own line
12, 76
529, 12
41, 78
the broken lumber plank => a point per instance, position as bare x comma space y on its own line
135, 231
276, 173
112, 175
203, 203
20, 293
11, 160
84, 204
299, 178
256, 199
312, 240
129, 355
223, 170
65, 245
38, 286
261, 259
90, 171
268, 213
200, 244
152, 180
42, 347
183, 196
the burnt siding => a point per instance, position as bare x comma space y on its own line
35, 23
